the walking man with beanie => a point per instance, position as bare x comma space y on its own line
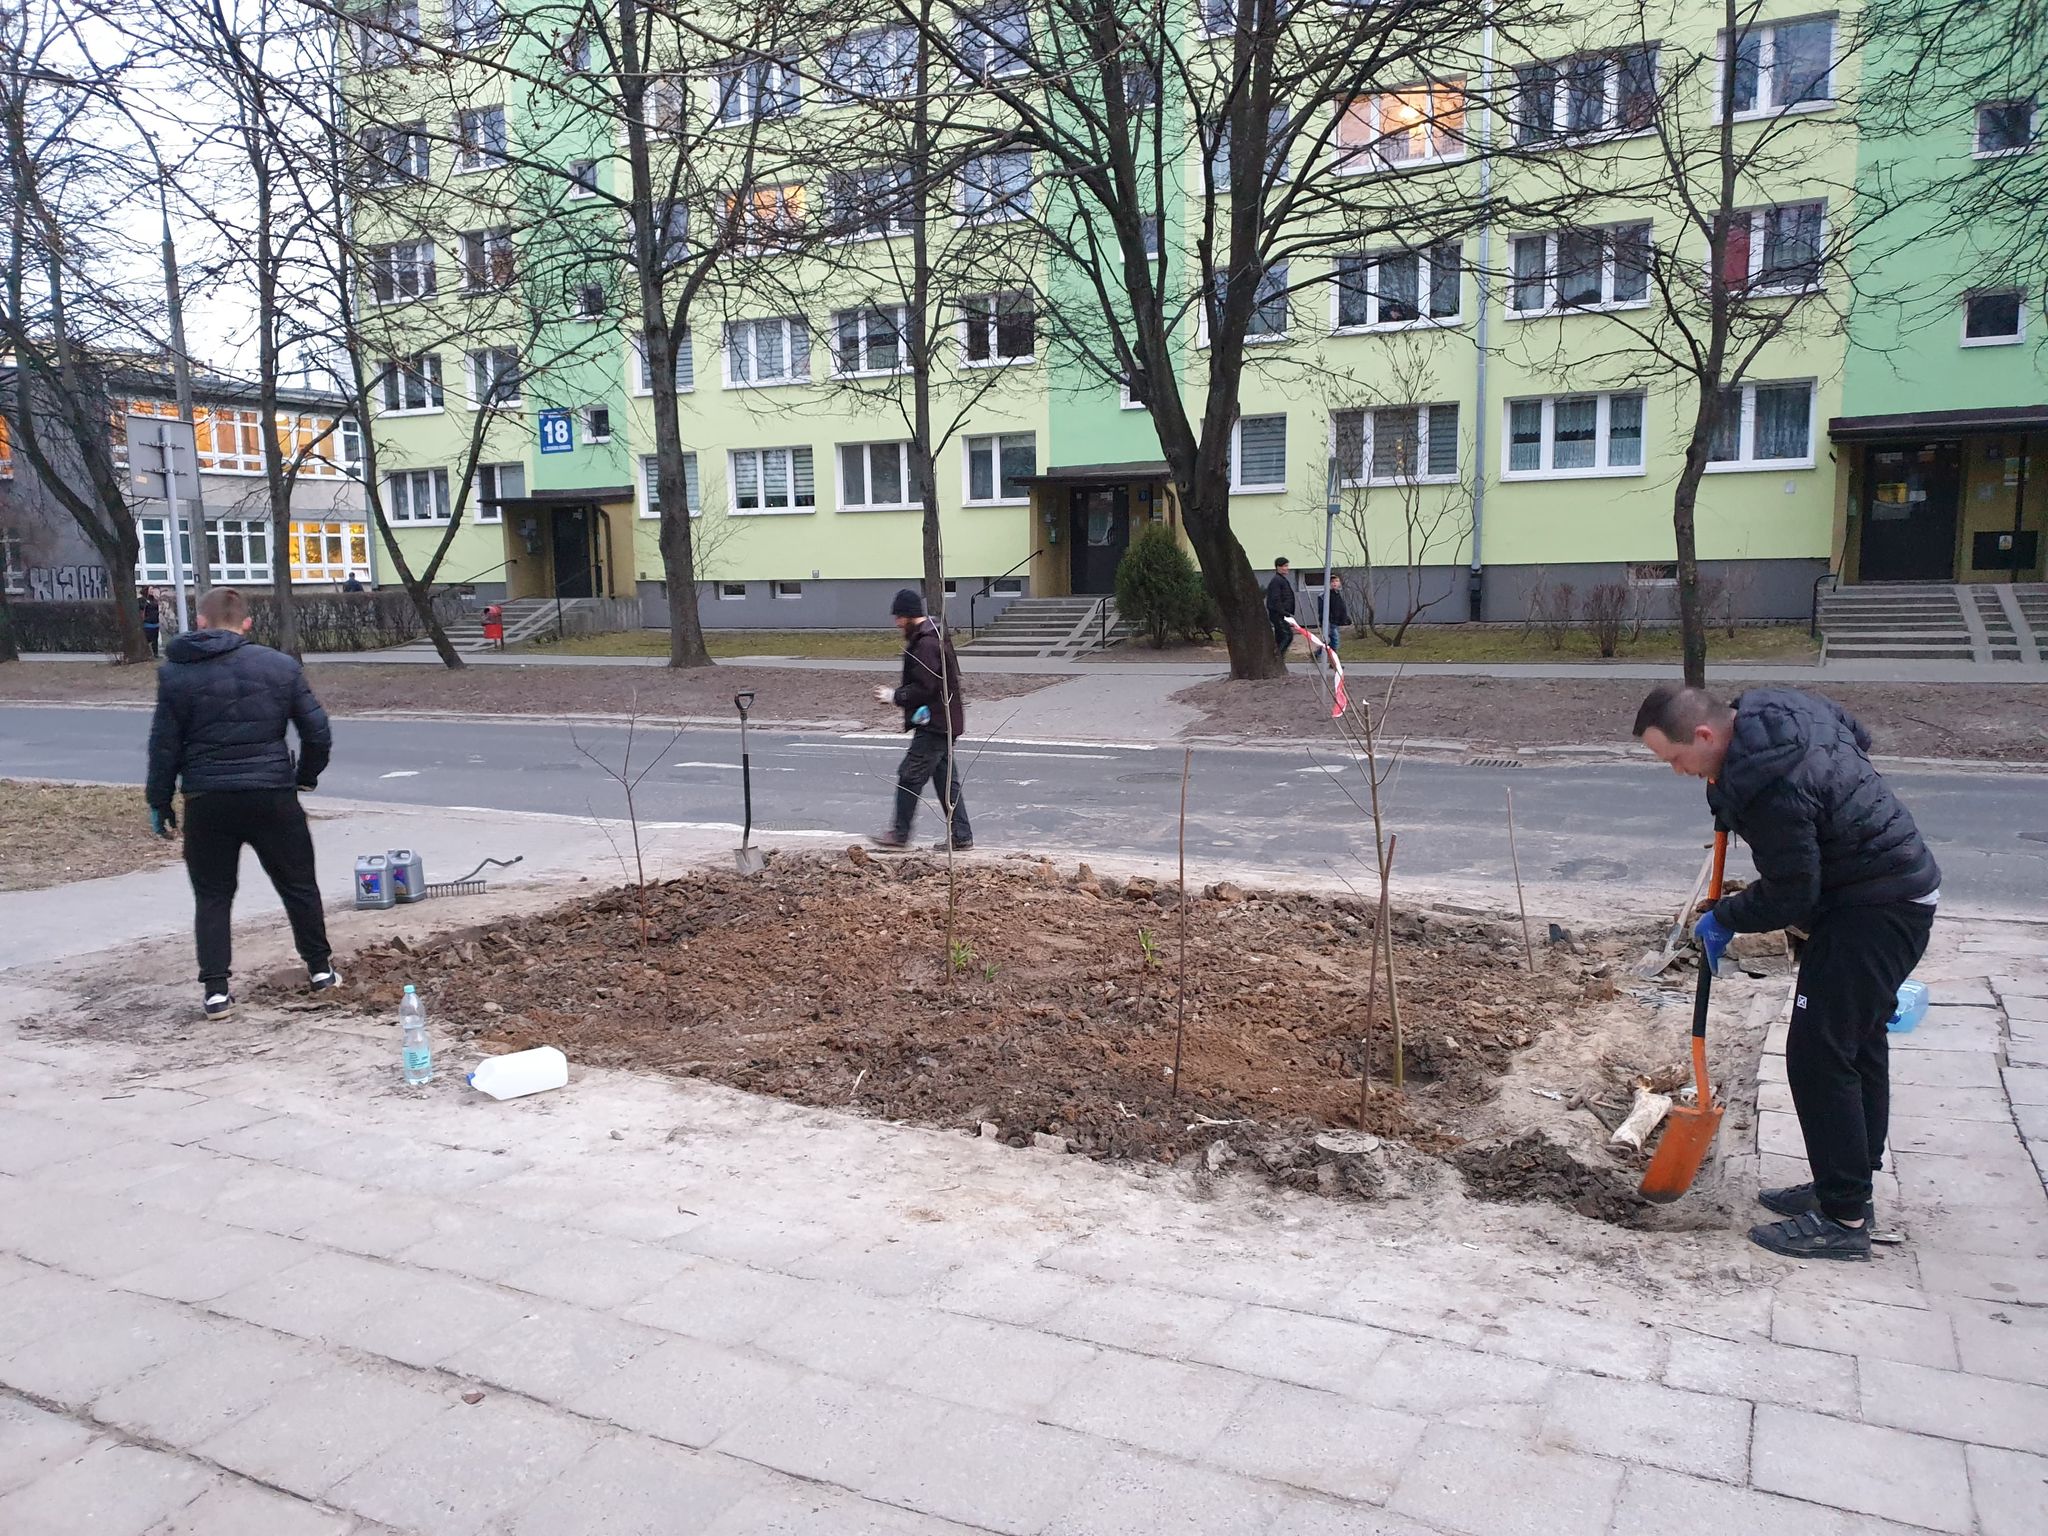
1841, 866
222, 706
1280, 605
936, 717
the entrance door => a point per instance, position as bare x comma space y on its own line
1910, 500
1100, 532
574, 567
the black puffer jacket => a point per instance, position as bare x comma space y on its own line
931, 680
1279, 598
1824, 828
222, 705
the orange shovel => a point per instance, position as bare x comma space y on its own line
1689, 1132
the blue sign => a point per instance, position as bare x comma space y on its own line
557, 432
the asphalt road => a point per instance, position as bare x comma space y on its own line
1619, 827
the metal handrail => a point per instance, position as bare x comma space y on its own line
989, 585
1813, 620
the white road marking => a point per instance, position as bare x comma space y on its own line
735, 767
401, 773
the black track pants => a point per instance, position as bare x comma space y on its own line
270, 821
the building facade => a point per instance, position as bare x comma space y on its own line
1497, 414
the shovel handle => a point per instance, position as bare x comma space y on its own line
1703, 990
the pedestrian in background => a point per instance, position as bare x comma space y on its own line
152, 618
1280, 605
935, 715
1336, 613
222, 707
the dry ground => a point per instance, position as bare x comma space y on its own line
839, 644
780, 693
52, 834
2001, 722
1511, 643
825, 982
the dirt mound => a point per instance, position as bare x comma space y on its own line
826, 981
1533, 1167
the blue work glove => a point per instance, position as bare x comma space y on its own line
163, 822
1715, 936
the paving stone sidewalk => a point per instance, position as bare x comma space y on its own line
257, 1296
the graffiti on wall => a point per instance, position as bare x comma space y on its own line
68, 583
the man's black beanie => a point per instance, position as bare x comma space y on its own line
909, 604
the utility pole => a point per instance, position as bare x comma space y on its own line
181, 375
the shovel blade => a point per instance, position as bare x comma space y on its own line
1688, 1137
750, 860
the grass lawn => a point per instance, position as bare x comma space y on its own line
1507, 643
57, 833
831, 644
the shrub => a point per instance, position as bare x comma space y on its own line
1158, 589
328, 621
1605, 611
1555, 605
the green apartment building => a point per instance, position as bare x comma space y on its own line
1497, 421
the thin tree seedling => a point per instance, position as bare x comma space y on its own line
1528, 949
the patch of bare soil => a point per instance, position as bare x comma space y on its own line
57, 833
2001, 722
825, 982
781, 694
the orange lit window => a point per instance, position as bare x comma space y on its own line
6, 452
763, 214
1411, 126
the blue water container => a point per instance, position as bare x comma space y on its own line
1912, 1007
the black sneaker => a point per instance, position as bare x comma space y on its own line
219, 1004
891, 839
942, 845
1813, 1236
322, 981
1798, 1199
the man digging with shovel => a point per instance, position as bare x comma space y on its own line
936, 717
1841, 865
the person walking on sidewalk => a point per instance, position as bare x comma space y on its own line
1336, 613
152, 618
222, 705
1841, 864
1280, 605
935, 715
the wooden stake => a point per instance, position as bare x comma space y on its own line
1528, 949
1387, 940
1180, 1004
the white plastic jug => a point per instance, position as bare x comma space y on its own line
521, 1073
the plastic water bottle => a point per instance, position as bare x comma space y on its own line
1912, 1007
415, 1050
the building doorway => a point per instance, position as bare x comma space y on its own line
1910, 500
572, 531
1099, 524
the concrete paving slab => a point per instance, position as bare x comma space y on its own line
850, 1332
1470, 1482
1658, 1426
1914, 1479
1157, 1405
1938, 1068
686, 1391
110, 1489
1554, 1336
1948, 1138
2027, 1085
1815, 1379
1311, 1439
1299, 1347
625, 1485
1462, 1386
1867, 1330
722, 1303
1653, 1499
554, 1352
990, 1471
833, 1431
34, 1440
234, 1371
2010, 1342
215, 1267
117, 1337
235, 1508
2010, 1491
606, 1274
2024, 1282
325, 1426
1142, 1318
992, 1365
1130, 1491
2011, 1415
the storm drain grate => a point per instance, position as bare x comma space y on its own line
1493, 762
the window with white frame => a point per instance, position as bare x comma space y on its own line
324, 551
1134, 390
1258, 454
13, 569
732, 591
2004, 127
386, 33
1399, 288
1764, 426
1592, 93
590, 301
1397, 444
1215, 138
666, 106
685, 369
999, 467
871, 66
229, 438
1562, 435
1142, 84
772, 480
998, 328
874, 477
416, 496
1775, 249
1596, 268
412, 383
753, 90
402, 271
775, 350
1993, 318
476, 23
396, 153
994, 41
496, 484
352, 448
671, 233
1268, 319
768, 214
650, 485
494, 376
597, 424
1417, 125
487, 259
872, 203
786, 589
582, 176
238, 548
481, 140
1148, 234
869, 340
1220, 18
995, 189
1780, 65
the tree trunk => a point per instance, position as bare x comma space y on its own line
9, 649
1227, 574
920, 357
1692, 619
127, 601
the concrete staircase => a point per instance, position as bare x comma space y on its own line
1991, 622
525, 617
1061, 627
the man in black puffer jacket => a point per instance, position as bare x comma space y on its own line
1839, 862
222, 705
